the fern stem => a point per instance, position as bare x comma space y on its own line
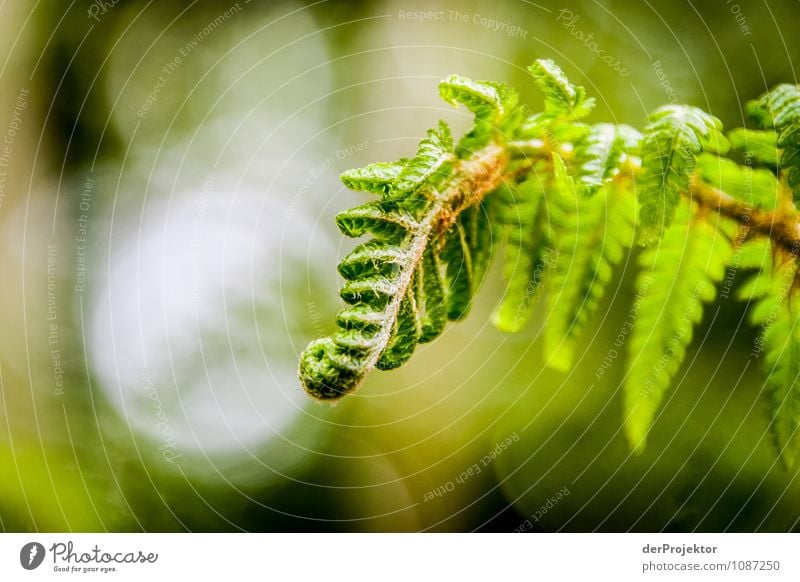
472, 180
476, 177
780, 227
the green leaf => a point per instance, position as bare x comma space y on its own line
384, 220
601, 152
562, 99
477, 223
495, 105
674, 137
593, 236
529, 252
678, 275
404, 336
774, 309
780, 109
775, 108
757, 146
433, 157
781, 341
564, 183
430, 288
378, 178
483, 98
754, 253
757, 187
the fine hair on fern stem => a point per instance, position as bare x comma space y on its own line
565, 201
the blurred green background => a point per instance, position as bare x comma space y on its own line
168, 249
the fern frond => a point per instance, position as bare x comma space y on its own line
532, 250
776, 108
759, 147
774, 310
495, 105
434, 155
562, 100
378, 178
536, 136
758, 187
419, 269
568, 199
592, 237
565, 186
487, 100
781, 364
780, 109
600, 153
678, 276
477, 223
674, 137
432, 242
529, 252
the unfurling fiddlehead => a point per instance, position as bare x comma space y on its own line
567, 201
431, 242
